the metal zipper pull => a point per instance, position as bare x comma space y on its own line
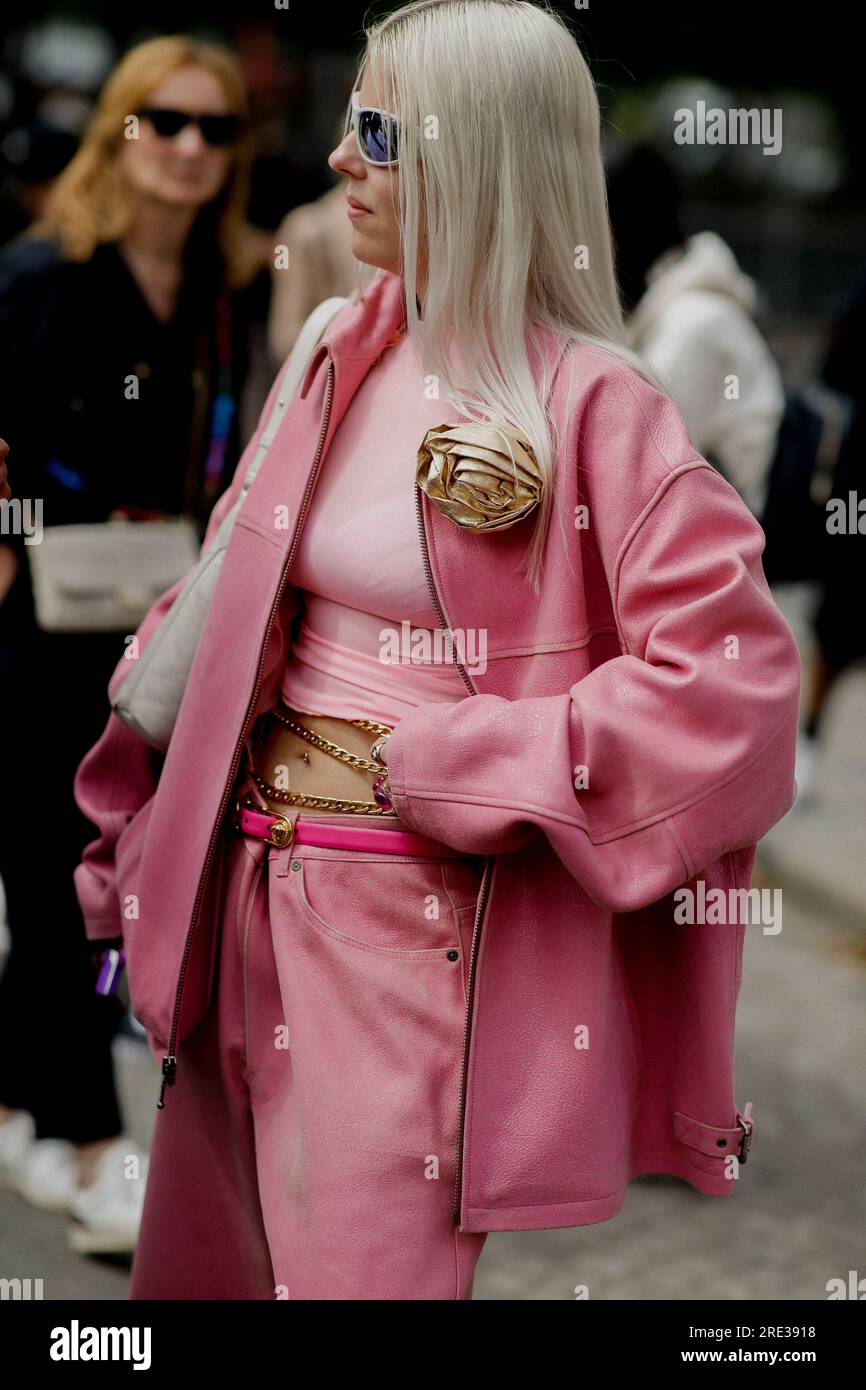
169, 1076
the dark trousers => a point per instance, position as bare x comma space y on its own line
55, 705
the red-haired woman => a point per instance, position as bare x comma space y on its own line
140, 271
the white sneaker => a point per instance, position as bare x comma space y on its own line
106, 1215
42, 1171
16, 1136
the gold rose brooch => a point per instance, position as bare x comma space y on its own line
466, 470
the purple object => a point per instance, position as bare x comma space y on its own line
113, 961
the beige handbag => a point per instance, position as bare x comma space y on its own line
149, 698
105, 576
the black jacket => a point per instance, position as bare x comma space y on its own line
72, 338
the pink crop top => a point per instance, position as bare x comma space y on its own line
359, 561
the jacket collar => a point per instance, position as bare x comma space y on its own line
360, 331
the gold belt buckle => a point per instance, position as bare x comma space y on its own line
281, 832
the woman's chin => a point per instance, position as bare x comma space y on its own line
364, 251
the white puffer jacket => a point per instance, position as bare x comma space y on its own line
694, 325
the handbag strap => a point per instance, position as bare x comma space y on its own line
293, 371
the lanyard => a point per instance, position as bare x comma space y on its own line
210, 437
224, 406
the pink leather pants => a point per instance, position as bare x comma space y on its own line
308, 1147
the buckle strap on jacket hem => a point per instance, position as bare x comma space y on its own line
715, 1140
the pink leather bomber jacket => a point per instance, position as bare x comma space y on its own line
654, 658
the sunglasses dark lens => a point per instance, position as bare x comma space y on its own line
219, 130
166, 123
215, 130
378, 136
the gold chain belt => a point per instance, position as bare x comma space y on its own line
330, 803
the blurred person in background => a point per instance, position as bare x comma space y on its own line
140, 268
690, 315
31, 157
840, 629
319, 264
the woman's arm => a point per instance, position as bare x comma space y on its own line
298, 287
682, 747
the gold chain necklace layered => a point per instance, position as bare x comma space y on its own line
344, 755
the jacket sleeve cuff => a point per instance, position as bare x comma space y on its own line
97, 899
459, 806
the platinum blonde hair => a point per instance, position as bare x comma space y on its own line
499, 113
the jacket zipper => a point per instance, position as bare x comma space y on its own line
169, 1061
483, 892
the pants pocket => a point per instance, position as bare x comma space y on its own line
383, 904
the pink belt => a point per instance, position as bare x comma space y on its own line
279, 830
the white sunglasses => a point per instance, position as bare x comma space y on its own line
375, 134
